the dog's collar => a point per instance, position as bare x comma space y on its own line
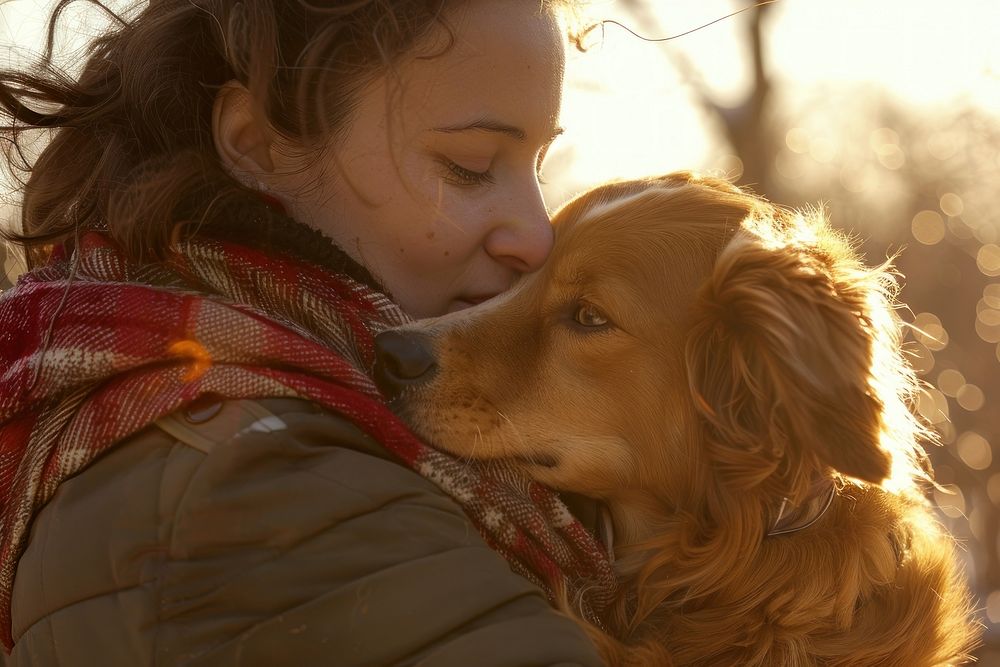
793, 518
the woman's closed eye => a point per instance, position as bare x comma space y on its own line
459, 175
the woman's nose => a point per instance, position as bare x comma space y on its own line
524, 240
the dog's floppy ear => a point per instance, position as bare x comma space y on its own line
779, 358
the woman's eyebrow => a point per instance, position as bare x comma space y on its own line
488, 125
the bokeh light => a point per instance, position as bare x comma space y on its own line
993, 488
885, 143
949, 381
951, 204
921, 358
993, 607
988, 259
951, 500
928, 227
988, 323
932, 405
927, 329
797, 140
970, 397
974, 450
991, 295
943, 145
822, 148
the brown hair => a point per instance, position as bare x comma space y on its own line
133, 151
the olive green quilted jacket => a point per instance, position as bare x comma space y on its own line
270, 533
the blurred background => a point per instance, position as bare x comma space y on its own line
888, 112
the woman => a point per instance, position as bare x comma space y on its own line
196, 470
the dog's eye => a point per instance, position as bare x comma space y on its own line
589, 316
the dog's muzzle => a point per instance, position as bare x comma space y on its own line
402, 359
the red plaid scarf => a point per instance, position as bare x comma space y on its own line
94, 349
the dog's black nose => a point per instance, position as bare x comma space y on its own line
402, 359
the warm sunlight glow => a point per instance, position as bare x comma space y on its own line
884, 115
631, 106
195, 354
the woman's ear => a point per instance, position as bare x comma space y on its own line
779, 359
242, 140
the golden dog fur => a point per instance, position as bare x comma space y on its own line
694, 356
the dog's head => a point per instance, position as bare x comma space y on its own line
682, 329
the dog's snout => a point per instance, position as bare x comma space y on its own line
402, 359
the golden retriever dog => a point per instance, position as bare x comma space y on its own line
726, 377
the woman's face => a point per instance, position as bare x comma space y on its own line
434, 187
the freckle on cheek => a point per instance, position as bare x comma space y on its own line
430, 235
446, 253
